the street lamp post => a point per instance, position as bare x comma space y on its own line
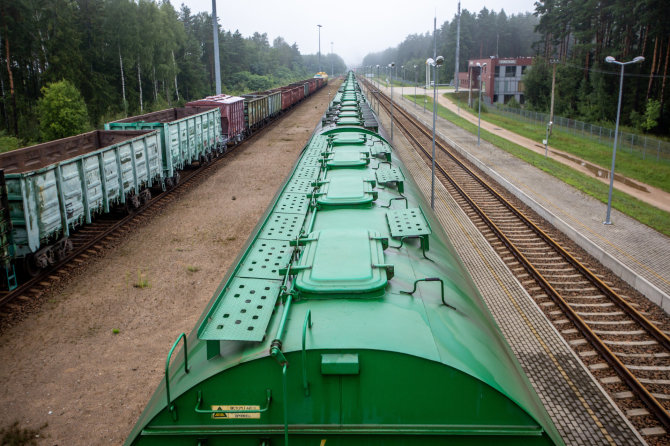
391, 67
332, 64
377, 89
546, 138
415, 106
479, 123
319, 47
402, 86
435, 64
610, 59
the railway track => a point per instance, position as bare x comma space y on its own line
623, 348
92, 239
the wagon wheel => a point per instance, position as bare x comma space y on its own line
28, 266
145, 196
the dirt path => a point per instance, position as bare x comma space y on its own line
64, 366
643, 192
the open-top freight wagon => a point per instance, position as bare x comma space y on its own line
54, 187
232, 115
187, 135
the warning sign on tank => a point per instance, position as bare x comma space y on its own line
236, 412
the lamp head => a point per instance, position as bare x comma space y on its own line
638, 59
440, 60
430, 61
610, 59
415, 66
392, 64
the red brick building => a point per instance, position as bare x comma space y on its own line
500, 78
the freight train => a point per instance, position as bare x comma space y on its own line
49, 190
347, 319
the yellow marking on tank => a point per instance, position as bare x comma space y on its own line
323, 442
545, 347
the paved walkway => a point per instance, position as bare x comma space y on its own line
644, 192
632, 250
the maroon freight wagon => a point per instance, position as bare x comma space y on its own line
232, 114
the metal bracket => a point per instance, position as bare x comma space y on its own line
396, 198
430, 279
307, 324
390, 269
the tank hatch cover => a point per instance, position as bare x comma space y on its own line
337, 261
409, 223
349, 139
340, 191
391, 175
349, 114
348, 121
242, 311
348, 156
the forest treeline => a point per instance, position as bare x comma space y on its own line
125, 57
576, 34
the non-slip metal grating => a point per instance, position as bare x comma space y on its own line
407, 223
309, 172
311, 160
293, 204
282, 226
393, 174
265, 258
299, 186
244, 310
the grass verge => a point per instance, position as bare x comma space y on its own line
634, 208
631, 165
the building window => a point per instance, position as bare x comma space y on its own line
497, 71
510, 71
523, 69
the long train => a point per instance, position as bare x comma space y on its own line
347, 319
49, 190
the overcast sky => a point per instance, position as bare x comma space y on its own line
356, 27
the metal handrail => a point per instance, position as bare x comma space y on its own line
171, 406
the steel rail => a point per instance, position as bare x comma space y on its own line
655, 407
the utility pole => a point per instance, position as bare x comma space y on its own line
554, 62
432, 171
217, 65
458, 45
332, 64
319, 47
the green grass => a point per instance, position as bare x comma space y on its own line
634, 208
647, 171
